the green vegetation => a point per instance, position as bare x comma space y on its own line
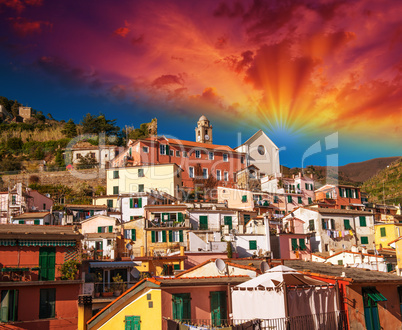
69, 270
386, 185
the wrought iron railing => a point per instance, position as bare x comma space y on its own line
330, 321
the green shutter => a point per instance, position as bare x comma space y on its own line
47, 263
252, 245
110, 229
324, 225
180, 217
244, 198
362, 221
21, 222
309, 200
133, 234
228, 221
163, 217
132, 323
99, 229
36, 222
383, 232
139, 202
110, 203
218, 308
170, 236
153, 238
311, 225
203, 222
332, 224
181, 308
294, 244
346, 223
167, 150
364, 240
181, 235
5, 299
299, 200
47, 303
115, 190
290, 200
276, 199
131, 203
164, 236
302, 244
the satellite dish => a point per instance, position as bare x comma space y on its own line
220, 265
129, 246
132, 257
264, 267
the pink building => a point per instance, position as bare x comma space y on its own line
39, 201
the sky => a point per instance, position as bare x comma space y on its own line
321, 78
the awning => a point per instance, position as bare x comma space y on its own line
357, 204
27, 242
112, 264
374, 294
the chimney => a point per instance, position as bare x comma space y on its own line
84, 310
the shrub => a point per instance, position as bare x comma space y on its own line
69, 270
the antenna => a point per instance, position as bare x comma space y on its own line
264, 267
220, 265
129, 246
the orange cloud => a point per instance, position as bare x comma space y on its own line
20, 5
122, 32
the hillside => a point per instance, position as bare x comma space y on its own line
386, 185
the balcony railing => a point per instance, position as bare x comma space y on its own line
330, 321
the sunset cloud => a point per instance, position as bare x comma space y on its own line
24, 27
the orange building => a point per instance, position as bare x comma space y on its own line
339, 197
33, 296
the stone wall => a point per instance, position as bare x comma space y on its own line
93, 177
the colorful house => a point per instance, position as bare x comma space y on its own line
339, 197
33, 218
385, 233
33, 293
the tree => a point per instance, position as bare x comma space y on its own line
15, 108
139, 133
40, 116
14, 143
86, 162
49, 115
59, 160
96, 125
6, 103
70, 129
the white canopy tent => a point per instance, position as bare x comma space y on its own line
282, 292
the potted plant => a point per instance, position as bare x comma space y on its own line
108, 292
118, 285
69, 270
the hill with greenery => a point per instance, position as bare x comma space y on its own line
386, 185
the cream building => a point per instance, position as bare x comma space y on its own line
165, 178
261, 152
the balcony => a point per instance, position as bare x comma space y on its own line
16, 273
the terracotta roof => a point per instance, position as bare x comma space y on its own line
39, 232
338, 211
86, 207
31, 215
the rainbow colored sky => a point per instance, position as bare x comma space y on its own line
300, 70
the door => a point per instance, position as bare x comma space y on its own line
227, 221
133, 323
181, 306
218, 307
47, 263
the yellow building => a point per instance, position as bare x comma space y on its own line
165, 178
386, 233
397, 245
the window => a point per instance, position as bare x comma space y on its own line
227, 221
197, 154
162, 149
294, 244
171, 152
242, 159
177, 153
13, 199
311, 225
115, 174
276, 199
47, 263
145, 149
362, 220
109, 203
135, 203
203, 222
244, 199
47, 303
290, 200
130, 234
132, 323
261, 149
299, 200
105, 229
79, 156
364, 240
140, 172
158, 236
140, 188
383, 232
185, 154
340, 262
225, 158
205, 173
218, 175
302, 244
371, 296
115, 190
9, 305
346, 223
309, 200
181, 308
226, 176
191, 172
246, 218
210, 155
36, 222
176, 236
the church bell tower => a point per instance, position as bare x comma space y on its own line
203, 131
